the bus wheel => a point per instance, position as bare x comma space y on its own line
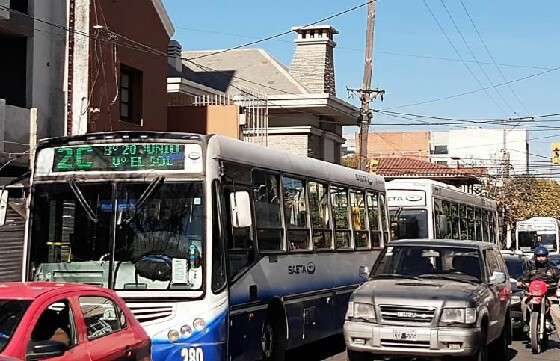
273, 338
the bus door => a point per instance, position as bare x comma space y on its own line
241, 254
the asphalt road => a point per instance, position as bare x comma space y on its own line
332, 349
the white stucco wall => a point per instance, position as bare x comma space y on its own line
48, 52
483, 147
14, 128
81, 68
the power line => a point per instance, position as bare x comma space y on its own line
287, 32
471, 72
474, 91
386, 52
473, 55
491, 56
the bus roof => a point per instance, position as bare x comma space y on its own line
226, 148
442, 190
230, 149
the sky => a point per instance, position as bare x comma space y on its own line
414, 59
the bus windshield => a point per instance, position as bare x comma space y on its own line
409, 223
157, 227
528, 240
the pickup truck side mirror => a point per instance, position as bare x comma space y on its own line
45, 349
364, 273
497, 278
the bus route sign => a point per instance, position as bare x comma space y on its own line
121, 157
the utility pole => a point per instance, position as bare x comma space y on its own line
366, 93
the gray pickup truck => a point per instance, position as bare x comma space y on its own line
432, 299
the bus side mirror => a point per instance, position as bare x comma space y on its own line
3, 206
240, 209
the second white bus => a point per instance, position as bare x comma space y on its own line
538, 231
423, 208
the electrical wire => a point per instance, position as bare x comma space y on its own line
458, 53
498, 68
473, 55
287, 32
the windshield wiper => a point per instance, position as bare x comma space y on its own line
82, 200
449, 278
395, 275
145, 196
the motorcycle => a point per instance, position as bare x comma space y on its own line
538, 298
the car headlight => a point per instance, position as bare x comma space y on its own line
466, 316
360, 310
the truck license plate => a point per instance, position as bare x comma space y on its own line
404, 334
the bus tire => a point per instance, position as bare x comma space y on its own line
273, 338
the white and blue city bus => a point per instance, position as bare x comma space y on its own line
537, 231
423, 208
223, 250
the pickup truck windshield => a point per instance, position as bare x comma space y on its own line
430, 262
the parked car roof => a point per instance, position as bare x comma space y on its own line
440, 242
33, 290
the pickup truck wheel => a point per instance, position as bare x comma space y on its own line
501, 345
359, 356
482, 353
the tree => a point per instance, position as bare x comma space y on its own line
526, 197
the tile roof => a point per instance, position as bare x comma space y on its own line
399, 167
252, 70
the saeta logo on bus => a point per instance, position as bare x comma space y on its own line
302, 268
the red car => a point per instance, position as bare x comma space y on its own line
40, 321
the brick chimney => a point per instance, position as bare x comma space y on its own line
174, 50
313, 62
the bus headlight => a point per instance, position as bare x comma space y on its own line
186, 331
199, 324
173, 335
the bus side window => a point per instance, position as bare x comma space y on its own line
219, 272
359, 225
270, 232
373, 218
384, 221
339, 201
320, 216
295, 213
478, 224
456, 234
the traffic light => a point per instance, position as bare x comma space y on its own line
556, 153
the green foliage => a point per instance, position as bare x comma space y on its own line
524, 198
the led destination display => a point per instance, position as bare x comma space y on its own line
122, 157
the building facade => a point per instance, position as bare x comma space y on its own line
117, 66
497, 150
291, 108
